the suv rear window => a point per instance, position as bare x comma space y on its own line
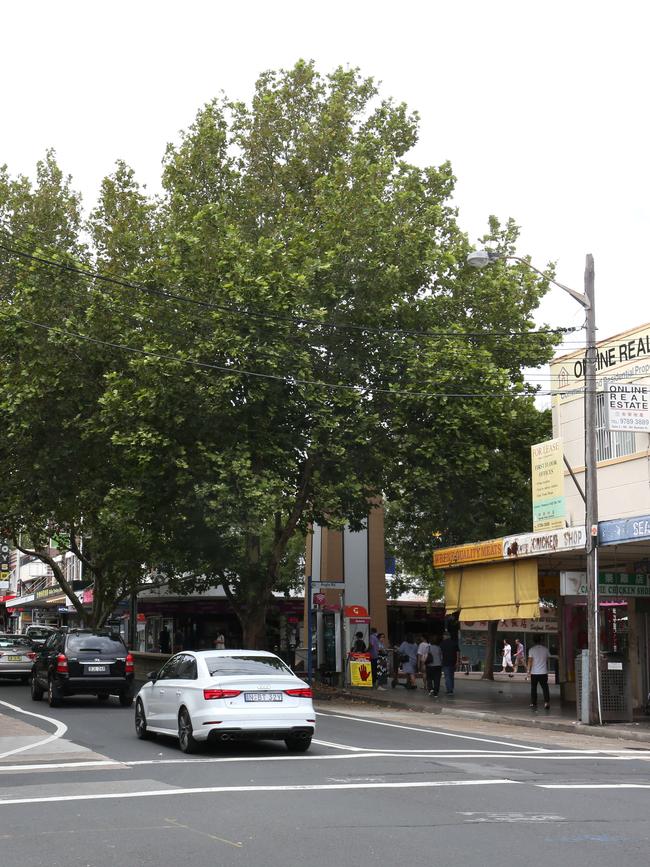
257, 665
95, 644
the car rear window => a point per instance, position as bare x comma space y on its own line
257, 665
39, 633
14, 641
95, 644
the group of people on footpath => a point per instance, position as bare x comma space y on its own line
432, 660
378, 655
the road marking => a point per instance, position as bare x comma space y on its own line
478, 818
559, 755
176, 824
431, 731
61, 729
594, 785
217, 790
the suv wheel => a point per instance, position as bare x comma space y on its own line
36, 689
54, 694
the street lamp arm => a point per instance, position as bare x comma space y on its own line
484, 257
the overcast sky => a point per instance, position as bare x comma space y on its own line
540, 107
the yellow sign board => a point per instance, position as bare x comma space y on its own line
479, 552
360, 669
548, 485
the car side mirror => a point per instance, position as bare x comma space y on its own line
152, 675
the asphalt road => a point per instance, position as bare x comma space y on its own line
376, 785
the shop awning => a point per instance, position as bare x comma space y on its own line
494, 591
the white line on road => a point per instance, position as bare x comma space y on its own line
214, 790
430, 731
594, 785
61, 729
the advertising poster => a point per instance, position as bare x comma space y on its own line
548, 485
360, 669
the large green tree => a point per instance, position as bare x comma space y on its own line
292, 335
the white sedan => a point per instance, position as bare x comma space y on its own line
223, 695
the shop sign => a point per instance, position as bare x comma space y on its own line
465, 554
609, 584
20, 600
627, 406
547, 465
534, 544
545, 624
624, 530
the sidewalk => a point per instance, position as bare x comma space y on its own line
501, 701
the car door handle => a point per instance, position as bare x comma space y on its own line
178, 692
161, 692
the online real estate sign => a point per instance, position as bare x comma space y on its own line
627, 406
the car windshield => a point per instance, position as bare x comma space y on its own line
95, 644
257, 665
39, 633
14, 641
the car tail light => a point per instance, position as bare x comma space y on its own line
31, 655
301, 692
62, 664
209, 694
129, 663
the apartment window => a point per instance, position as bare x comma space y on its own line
610, 444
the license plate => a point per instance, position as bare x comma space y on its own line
262, 696
95, 669
14, 658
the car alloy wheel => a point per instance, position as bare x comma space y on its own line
141, 722
186, 732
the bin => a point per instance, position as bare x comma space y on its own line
615, 687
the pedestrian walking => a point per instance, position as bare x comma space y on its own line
408, 656
450, 659
507, 656
538, 670
220, 641
434, 667
423, 652
520, 655
373, 648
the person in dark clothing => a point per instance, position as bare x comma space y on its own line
164, 640
450, 656
358, 645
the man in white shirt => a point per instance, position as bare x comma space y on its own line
538, 670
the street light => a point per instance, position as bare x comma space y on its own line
481, 258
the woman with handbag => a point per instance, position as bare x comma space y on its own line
408, 657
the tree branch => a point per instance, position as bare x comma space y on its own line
62, 581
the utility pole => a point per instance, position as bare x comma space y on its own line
591, 496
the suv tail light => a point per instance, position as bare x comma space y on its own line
209, 694
301, 692
62, 664
129, 667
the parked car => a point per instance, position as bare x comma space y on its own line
38, 634
223, 695
82, 662
17, 656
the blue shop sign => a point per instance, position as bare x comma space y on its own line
624, 530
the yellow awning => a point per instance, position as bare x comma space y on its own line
494, 591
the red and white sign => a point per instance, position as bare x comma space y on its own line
320, 599
356, 611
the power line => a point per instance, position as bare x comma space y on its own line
246, 312
289, 380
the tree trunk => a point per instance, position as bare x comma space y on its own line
253, 623
488, 668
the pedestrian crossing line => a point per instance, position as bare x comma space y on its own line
216, 790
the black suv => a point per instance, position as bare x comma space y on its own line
83, 662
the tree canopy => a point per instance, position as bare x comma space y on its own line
287, 335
